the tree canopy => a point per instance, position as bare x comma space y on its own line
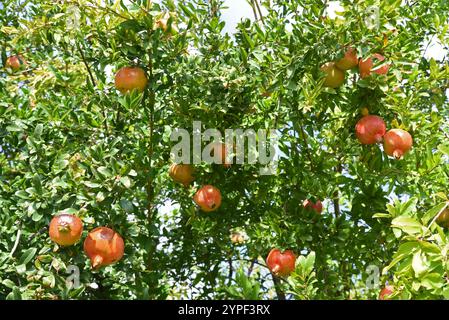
70, 142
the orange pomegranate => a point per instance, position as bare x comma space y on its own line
103, 246
15, 62
208, 198
370, 129
128, 79
349, 61
309, 205
334, 76
385, 292
281, 263
366, 65
181, 173
397, 142
65, 229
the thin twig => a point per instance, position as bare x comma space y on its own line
260, 11
16, 243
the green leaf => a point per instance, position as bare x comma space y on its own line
407, 224
27, 256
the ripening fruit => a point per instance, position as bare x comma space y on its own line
443, 218
15, 62
281, 263
334, 76
349, 61
370, 129
65, 229
219, 150
385, 292
309, 205
366, 65
128, 79
103, 246
182, 173
208, 198
397, 142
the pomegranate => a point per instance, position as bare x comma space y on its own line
349, 61
219, 150
309, 205
65, 229
334, 76
182, 173
103, 246
385, 292
208, 198
366, 65
128, 79
397, 142
370, 129
281, 263
443, 218
15, 62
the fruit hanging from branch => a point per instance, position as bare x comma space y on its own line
65, 229
397, 143
386, 292
103, 246
128, 79
443, 218
366, 66
370, 129
282, 264
181, 173
310, 205
334, 76
208, 198
15, 62
349, 61
219, 152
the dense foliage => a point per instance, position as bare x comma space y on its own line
70, 142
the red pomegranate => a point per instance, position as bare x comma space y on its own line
15, 62
130, 78
370, 129
103, 246
281, 263
309, 205
65, 229
366, 65
397, 142
208, 198
385, 292
349, 60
